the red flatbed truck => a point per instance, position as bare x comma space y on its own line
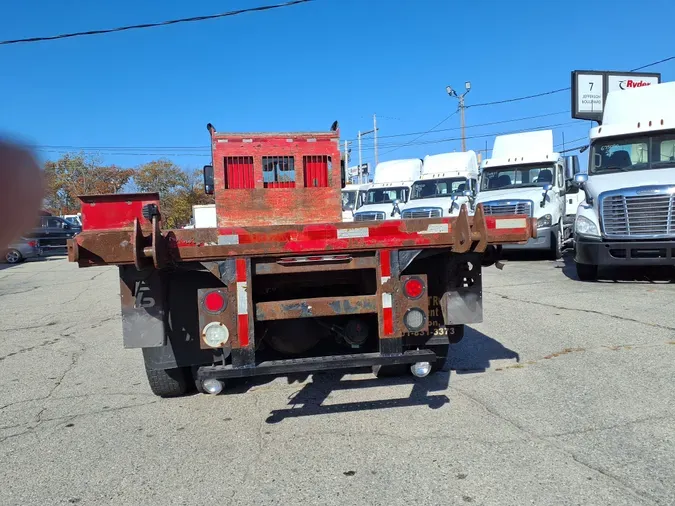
282, 285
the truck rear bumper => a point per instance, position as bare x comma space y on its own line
596, 252
541, 242
314, 364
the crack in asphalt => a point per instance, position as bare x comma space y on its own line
655, 418
30, 327
581, 310
19, 292
543, 439
31, 348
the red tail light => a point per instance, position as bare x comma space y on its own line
413, 288
32, 244
215, 302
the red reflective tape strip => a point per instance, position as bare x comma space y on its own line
385, 263
506, 223
241, 270
388, 321
242, 330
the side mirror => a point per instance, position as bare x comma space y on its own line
580, 181
547, 188
208, 179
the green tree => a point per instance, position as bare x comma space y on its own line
73, 175
178, 190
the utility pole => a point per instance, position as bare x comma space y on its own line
453, 93
375, 130
361, 134
346, 164
360, 160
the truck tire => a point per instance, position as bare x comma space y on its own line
587, 272
167, 382
556, 243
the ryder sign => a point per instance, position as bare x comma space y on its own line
590, 88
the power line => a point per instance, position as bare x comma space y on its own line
423, 134
512, 120
152, 25
44, 147
517, 99
481, 136
205, 150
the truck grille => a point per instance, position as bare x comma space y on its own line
422, 212
510, 207
645, 216
369, 216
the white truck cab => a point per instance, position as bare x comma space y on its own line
448, 180
628, 216
390, 189
353, 197
526, 176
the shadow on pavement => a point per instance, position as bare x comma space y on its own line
655, 274
474, 352
309, 400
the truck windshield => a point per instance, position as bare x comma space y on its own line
349, 200
632, 153
444, 187
387, 195
523, 176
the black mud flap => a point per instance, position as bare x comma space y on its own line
142, 298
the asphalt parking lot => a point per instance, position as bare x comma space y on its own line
564, 395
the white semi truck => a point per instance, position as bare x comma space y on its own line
628, 216
526, 176
448, 180
390, 189
353, 197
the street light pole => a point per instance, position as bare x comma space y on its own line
375, 133
453, 93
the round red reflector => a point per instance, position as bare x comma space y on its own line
413, 288
214, 302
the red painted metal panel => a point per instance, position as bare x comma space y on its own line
239, 172
315, 168
114, 211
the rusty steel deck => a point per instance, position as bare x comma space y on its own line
144, 243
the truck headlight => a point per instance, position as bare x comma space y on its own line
584, 226
544, 221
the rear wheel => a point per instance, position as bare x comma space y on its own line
587, 272
167, 382
13, 256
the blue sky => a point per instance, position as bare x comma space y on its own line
303, 67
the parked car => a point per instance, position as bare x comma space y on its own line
53, 232
20, 250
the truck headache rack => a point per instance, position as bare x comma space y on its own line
142, 242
